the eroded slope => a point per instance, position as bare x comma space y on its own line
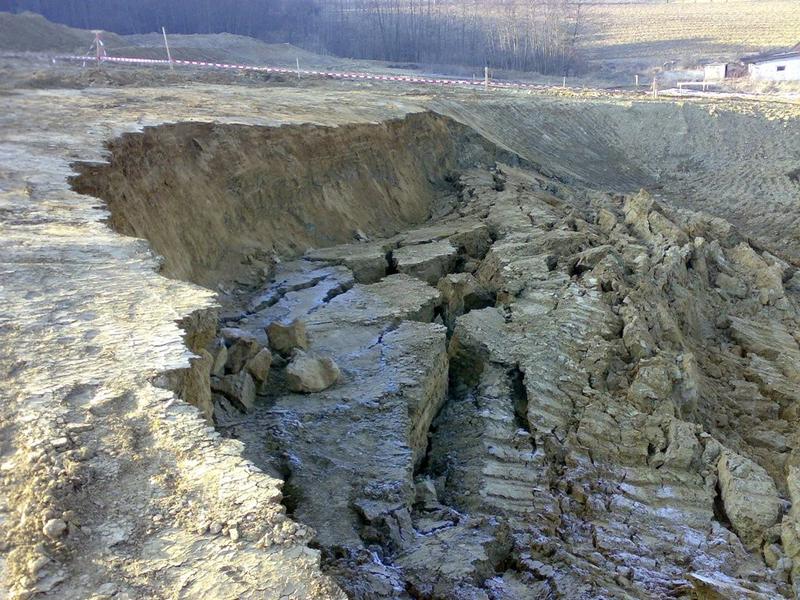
210, 196
732, 161
602, 422
619, 419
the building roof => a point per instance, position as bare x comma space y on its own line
791, 54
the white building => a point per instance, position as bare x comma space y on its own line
781, 66
714, 72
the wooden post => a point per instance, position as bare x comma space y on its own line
564, 83
655, 87
486, 78
298, 68
98, 46
637, 81
166, 44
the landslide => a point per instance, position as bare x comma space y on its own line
212, 199
540, 381
733, 160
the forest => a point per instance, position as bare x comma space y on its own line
521, 35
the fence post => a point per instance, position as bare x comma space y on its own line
166, 44
298, 69
486, 78
98, 46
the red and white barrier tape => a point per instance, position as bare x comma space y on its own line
289, 71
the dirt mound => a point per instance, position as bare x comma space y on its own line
731, 161
77, 76
31, 32
221, 47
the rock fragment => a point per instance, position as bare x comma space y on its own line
54, 528
239, 389
259, 365
425, 493
606, 220
429, 262
59, 443
285, 338
749, 495
219, 351
243, 346
309, 373
366, 261
768, 278
637, 337
731, 285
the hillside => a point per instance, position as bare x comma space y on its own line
30, 32
687, 31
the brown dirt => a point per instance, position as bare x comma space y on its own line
88, 324
209, 198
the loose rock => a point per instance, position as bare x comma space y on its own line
308, 373
219, 351
239, 389
244, 347
54, 528
285, 338
259, 365
749, 495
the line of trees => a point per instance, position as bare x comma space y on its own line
524, 35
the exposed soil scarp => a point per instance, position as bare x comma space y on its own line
479, 379
213, 199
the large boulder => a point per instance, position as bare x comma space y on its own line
286, 338
309, 373
749, 495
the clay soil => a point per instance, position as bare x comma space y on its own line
566, 327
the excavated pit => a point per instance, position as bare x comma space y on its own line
539, 390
